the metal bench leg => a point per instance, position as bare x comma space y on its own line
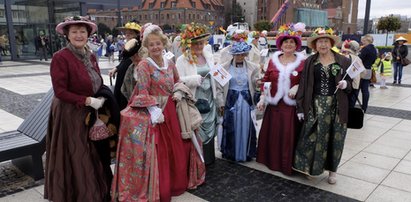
31, 165
38, 171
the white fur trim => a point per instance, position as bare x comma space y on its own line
284, 81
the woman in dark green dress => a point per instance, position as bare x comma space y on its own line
322, 103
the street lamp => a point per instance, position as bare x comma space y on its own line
119, 23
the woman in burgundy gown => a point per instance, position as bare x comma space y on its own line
280, 124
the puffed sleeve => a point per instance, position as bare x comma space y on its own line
59, 72
191, 81
267, 73
143, 98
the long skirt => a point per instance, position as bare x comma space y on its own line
196, 170
276, 141
239, 135
321, 142
74, 169
151, 159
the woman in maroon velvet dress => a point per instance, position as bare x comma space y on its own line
280, 123
74, 169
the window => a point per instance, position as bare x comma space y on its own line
1, 13
198, 16
151, 5
162, 4
193, 4
168, 16
173, 4
139, 16
179, 16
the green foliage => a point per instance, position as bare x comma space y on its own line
389, 23
263, 25
383, 49
103, 29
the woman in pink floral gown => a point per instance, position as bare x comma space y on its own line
151, 160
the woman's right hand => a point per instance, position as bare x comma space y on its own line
112, 72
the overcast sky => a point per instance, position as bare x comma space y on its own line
381, 8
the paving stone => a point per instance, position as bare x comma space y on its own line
228, 181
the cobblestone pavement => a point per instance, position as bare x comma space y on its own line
367, 171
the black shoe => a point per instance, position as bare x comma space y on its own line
395, 82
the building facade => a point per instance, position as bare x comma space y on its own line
22, 21
168, 14
249, 11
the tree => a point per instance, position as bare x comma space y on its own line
389, 24
263, 25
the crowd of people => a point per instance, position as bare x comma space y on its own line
164, 112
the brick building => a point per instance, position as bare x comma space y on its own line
163, 12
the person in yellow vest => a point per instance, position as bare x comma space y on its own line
383, 66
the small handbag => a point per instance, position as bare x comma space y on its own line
373, 78
405, 61
203, 106
355, 116
99, 131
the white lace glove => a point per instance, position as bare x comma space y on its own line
300, 116
96, 103
156, 114
342, 84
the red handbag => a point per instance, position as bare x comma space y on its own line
99, 131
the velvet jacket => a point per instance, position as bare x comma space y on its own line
305, 93
70, 79
282, 78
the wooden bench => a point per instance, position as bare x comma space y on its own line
26, 145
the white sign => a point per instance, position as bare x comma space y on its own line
355, 68
169, 55
264, 52
220, 75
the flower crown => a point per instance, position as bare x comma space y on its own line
254, 34
238, 36
323, 31
291, 29
191, 33
132, 25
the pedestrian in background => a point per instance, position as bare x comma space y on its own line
368, 55
280, 125
74, 169
322, 103
399, 52
349, 49
41, 44
131, 30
